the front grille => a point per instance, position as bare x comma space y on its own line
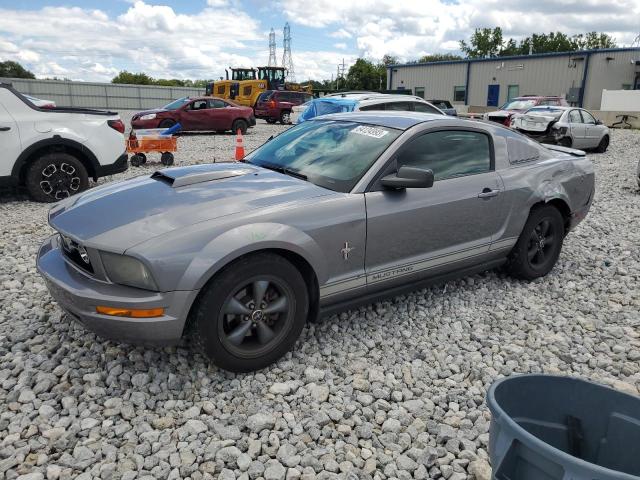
75, 252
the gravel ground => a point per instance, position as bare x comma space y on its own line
393, 390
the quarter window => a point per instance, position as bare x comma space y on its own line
449, 153
459, 93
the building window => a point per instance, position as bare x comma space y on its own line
419, 91
459, 93
513, 91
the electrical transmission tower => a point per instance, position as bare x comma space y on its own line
287, 61
272, 49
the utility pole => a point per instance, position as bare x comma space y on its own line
340, 74
272, 49
287, 61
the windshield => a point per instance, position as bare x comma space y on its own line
331, 154
518, 105
176, 104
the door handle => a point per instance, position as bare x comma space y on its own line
5, 129
488, 193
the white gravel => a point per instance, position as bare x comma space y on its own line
393, 390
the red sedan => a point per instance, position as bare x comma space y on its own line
203, 113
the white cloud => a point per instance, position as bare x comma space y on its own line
341, 45
414, 28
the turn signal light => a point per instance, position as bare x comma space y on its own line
131, 312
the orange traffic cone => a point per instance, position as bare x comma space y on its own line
239, 146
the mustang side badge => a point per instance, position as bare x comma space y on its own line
346, 250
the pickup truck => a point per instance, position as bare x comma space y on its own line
54, 151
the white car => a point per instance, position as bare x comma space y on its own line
40, 102
361, 101
54, 151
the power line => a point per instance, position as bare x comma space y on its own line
272, 49
287, 60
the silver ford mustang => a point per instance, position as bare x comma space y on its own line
339, 210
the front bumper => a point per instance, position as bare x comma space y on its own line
252, 121
79, 295
120, 165
138, 124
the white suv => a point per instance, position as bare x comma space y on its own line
54, 151
362, 101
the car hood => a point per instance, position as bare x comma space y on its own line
503, 113
147, 112
118, 216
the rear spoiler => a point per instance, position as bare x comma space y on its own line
571, 151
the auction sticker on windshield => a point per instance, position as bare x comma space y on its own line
373, 132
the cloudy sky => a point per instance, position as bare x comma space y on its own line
92, 40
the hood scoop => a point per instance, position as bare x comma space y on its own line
181, 177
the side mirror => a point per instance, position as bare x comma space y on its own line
598, 122
409, 177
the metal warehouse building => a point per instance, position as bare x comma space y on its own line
579, 76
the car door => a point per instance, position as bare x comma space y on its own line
220, 114
593, 131
10, 141
194, 115
420, 232
578, 129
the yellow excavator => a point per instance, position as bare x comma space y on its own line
246, 84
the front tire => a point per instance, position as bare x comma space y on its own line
603, 145
166, 158
538, 247
168, 123
55, 176
251, 313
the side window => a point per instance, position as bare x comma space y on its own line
574, 116
588, 118
246, 91
423, 107
402, 106
199, 105
449, 153
215, 103
220, 89
375, 106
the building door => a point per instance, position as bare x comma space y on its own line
493, 94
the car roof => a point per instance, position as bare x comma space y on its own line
400, 120
554, 107
536, 97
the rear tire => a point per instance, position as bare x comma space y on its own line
538, 247
603, 145
241, 125
56, 176
135, 160
237, 333
168, 123
285, 117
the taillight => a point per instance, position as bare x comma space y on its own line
116, 125
272, 104
507, 121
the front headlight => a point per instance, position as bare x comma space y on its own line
127, 270
148, 116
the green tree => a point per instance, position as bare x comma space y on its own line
439, 57
390, 60
14, 70
484, 42
593, 41
132, 78
365, 75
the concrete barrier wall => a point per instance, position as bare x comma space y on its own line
110, 96
628, 100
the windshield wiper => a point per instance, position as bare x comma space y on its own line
283, 170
